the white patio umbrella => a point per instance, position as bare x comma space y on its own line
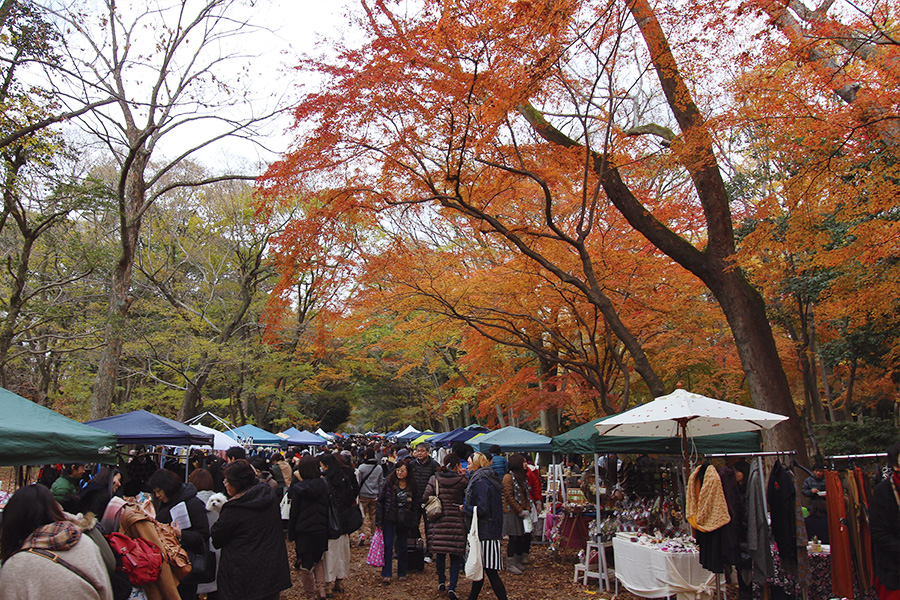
685, 414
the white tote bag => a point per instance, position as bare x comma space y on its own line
474, 564
286, 506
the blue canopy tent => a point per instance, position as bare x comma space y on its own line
295, 437
142, 427
438, 440
512, 439
255, 436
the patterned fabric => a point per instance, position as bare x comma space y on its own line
491, 557
375, 557
60, 535
707, 509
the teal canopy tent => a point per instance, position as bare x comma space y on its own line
512, 439
585, 439
255, 436
31, 434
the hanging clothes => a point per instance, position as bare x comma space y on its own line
759, 541
839, 534
782, 497
860, 536
733, 533
708, 514
885, 526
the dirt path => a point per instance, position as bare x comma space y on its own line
545, 579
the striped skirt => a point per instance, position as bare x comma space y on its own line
491, 556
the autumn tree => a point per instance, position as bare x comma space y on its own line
518, 117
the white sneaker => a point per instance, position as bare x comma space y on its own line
427, 559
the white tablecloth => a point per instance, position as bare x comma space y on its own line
652, 573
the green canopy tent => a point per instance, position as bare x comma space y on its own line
585, 439
31, 434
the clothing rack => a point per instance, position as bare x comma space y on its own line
854, 456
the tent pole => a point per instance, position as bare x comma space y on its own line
600, 559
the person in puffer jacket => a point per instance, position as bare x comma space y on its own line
449, 530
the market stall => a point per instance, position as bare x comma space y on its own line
31, 434
142, 427
251, 435
660, 567
295, 437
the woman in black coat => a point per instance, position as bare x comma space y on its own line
193, 533
254, 561
344, 490
484, 495
308, 526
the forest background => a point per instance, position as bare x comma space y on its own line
521, 213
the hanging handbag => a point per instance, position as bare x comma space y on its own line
474, 564
433, 507
334, 522
203, 567
352, 519
285, 506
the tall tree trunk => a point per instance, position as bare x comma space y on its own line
742, 304
130, 216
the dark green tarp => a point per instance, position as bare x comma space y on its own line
31, 434
585, 439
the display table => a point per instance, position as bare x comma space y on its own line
651, 573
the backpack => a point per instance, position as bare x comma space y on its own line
141, 560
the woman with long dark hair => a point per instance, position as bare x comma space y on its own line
308, 526
344, 489
396, 515
46, 556
516, 508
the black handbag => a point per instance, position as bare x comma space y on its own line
352, 519
203, 567
334, 522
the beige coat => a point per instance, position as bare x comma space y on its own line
27, 576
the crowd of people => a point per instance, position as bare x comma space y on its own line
223, 533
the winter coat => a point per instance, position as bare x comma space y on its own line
484, 492
515, 497
281, 472
93, 499
309, 508
254, 560
196, 537
448, 534
387, 507
343, 487
375, 481
422, 472
27, 576
64, 488
884, 524
534, 483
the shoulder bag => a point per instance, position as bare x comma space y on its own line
433, 507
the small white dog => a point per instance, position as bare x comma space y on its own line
215, 502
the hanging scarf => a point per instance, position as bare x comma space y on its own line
706, 508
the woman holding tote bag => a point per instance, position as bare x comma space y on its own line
484, 495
